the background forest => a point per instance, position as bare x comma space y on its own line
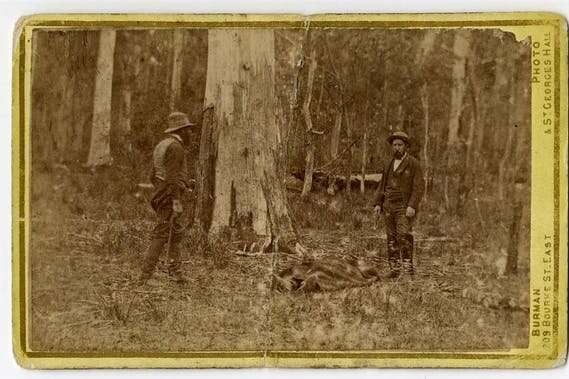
99, 101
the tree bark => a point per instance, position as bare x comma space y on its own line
238, 175
100, 150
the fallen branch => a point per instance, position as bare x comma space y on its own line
338, 156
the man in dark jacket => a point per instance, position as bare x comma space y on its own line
399, 194
169, 176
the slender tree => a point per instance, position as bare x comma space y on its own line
100, 150
310, 140
177, 60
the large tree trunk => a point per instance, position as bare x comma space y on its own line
100, 149
238, 175
84, 46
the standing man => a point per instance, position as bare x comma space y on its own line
399, 194
169, 176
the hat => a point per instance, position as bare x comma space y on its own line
398, 135
177, 121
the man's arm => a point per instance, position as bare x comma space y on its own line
417, 187
174, 163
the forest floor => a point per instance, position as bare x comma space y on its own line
86, 252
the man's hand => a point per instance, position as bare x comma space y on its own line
177, 207
410, 212
377, 210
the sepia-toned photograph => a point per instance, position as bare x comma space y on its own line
265, 188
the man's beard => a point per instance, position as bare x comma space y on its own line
398, 154
185, 138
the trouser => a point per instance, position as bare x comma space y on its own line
166, 228
399, 238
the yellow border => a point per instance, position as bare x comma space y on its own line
522, 24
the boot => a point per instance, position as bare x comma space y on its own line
174, 263
393, 257
407, 255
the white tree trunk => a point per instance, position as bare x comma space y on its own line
334, 145
349, 125
238, 176
461, 49
426, 165
335, 136
125, 120
425, 48
400, 117
100, 149
177, 59
502, 165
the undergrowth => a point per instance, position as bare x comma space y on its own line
91, 230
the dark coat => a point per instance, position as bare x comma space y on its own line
169, 173
410, 179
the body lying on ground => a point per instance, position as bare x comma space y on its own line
325, 275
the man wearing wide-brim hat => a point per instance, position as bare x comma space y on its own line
398, 197
170, 178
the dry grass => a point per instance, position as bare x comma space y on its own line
85, 264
